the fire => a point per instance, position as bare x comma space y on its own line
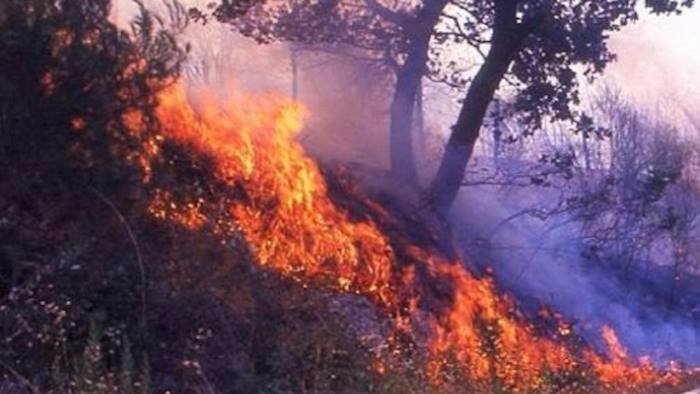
488, 341
287, 217
615, 348
78, 124
618, 368
278, 200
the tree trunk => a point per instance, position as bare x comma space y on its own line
465, 133
408, 80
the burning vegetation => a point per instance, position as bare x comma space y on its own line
160, 239
439, 312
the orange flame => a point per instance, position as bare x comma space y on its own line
295, 229
253, 144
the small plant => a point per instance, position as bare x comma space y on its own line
96, 370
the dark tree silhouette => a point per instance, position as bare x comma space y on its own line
69, 78
537, 45
397, 38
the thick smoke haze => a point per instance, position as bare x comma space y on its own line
540, 263
659, 57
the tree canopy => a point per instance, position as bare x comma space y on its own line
540, 47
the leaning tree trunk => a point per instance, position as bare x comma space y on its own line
408, 80
460, 146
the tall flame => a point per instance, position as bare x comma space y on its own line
286, 216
